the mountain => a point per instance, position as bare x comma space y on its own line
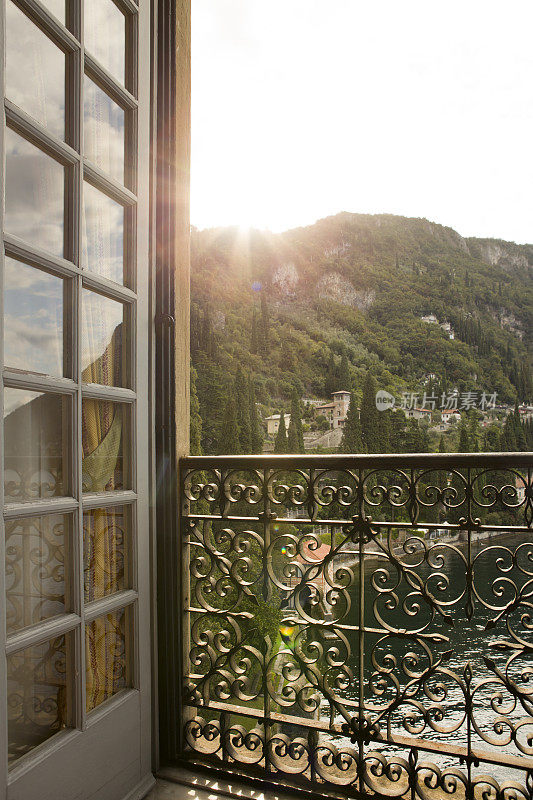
287, 307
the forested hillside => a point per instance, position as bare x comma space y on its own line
315, 307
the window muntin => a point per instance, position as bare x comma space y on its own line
35, 71
34, 204
33, 319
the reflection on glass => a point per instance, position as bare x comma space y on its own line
107, 657
103, 234
33, 308
106, 552
35, 440
56, 7
106, 446
102, 327
36, 555
34, 195
103, 124
35, 72
105, 35
38, 700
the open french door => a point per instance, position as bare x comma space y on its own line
74, 552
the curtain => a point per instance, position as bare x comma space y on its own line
104, 535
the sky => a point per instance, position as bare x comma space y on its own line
305, 108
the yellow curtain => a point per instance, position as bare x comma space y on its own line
104, 539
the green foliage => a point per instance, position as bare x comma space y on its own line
195, 419
256, 433
281, 444
351, 441
464, 438
228, 443
370, 432
242, 400
395, 270
295, 437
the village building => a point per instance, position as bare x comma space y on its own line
417, 413
272, 423
337, 411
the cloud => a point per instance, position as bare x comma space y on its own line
416, 108
34, 195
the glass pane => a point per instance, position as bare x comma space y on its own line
102, 327
34, 195
56, 7
35, 72
38, 696
107, 657
35, 443
103, 234
103, 131
106, 446
105, 35
36, 555
106, 552
33, 307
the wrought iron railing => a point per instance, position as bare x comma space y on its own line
360, 625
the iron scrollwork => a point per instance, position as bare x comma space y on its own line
361, 622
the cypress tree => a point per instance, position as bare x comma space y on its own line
254, 343
464, 439
384, 431
256, 433
196, 419
280, 443
243, 411
345, 380
228, 442
351, 441
330, 383
265, 325
369, 415
295, 439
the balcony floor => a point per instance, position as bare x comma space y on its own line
186, 785
165, 790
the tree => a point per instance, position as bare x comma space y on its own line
351, 441
345, 379
384, 431
265, 325
280, 444
254, 343
256, 434
464, 438
330, 382
369, 415
228, 442
242, 401
196, 419
295, 439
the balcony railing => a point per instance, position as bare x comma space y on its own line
360, 625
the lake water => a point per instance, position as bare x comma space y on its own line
496, 573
